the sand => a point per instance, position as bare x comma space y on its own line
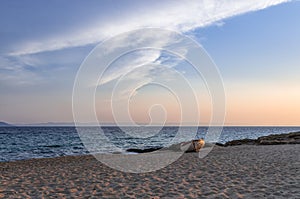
271, 171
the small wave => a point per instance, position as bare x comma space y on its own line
53, 146
78, 147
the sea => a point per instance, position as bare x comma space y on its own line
20, 143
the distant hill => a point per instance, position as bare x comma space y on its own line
5, 124
58, 124
50, 124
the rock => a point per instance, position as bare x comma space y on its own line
192, 146
289, 138
219, 144
148, 150
240, 142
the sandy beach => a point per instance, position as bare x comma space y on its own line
245, 171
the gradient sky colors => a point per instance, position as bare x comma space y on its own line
255, 44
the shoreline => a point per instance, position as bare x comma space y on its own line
272, 139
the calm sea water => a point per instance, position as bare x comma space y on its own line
17, 143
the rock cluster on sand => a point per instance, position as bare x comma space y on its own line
191, 146
289, 138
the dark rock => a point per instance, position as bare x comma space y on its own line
187, 147
219, 144
240, 142
148, 150
289, 138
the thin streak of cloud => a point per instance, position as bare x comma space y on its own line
182, 16
129, 63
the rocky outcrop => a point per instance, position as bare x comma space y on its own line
240, 142
289, 138
196, 145
187, 147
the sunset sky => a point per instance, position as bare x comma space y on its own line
254, 44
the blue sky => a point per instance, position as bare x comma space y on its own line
256, 46
267, 39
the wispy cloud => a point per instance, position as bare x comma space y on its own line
182, 16
129, 63
12, 73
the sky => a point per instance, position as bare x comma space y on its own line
254, 44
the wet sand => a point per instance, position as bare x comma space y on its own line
267, 171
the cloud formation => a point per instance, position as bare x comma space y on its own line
182, 16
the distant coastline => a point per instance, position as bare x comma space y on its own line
89, 124
4, 124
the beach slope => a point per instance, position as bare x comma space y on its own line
243, 171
